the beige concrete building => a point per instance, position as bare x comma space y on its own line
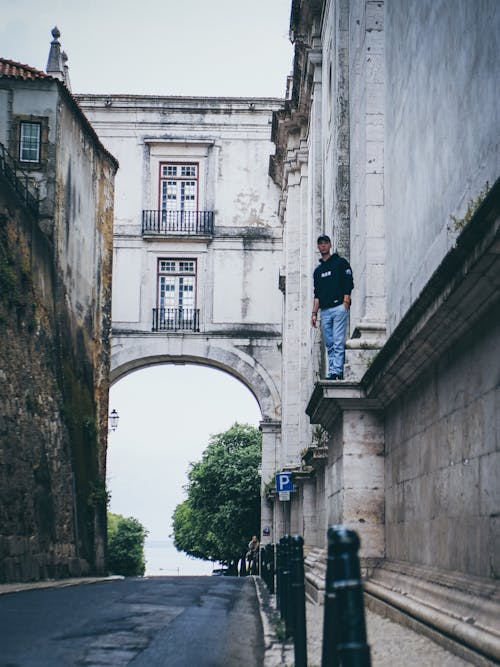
197, 241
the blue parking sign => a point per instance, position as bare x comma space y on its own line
284, 482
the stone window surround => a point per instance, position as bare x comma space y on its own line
178, 150
178, 271
15, 146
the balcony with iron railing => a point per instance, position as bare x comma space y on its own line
18, 180
176, 319
177, 223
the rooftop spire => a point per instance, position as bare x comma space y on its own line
66, 70
55, 63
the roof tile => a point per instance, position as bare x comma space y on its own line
11, 69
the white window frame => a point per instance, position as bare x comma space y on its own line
29, 144
178, 276
179, 186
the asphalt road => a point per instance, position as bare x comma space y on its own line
150, 622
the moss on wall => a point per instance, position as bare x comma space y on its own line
49, 447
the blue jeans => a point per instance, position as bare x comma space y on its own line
334, 325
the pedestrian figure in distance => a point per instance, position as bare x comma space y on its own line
333, 284
253, 555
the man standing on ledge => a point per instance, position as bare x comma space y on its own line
333, 284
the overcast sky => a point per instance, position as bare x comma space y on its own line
166, 47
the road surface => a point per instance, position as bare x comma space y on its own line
142, 622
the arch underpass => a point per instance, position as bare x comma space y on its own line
255, 362
242, 358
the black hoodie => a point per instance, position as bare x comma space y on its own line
332, 279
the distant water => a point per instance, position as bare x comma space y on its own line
163, 559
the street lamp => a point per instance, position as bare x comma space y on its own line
113, 420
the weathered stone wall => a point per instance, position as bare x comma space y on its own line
83, 240
442, 131
55, 353
37, 514
443, 464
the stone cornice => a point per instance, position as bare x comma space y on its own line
293, 118
246, 333
296, 159
184, 102
315, 457
187, 141
270, 426
330, 398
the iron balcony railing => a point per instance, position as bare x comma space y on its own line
18, 180
183, 223
176, 319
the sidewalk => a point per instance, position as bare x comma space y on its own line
391, 644
18, 587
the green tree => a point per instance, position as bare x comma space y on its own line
126, 537
222, 509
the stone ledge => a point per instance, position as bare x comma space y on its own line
330, 398
315, 457
315, 575
464, 609
457, 611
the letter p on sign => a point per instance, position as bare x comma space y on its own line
284, 481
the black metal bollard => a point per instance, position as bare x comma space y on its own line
279, 569
344, 631
298, 598
270, 562
285, 597
263, 566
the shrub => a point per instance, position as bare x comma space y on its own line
126, 537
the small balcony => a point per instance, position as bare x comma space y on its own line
18, 180
176, 319
177, 223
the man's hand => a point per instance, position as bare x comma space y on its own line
314, 316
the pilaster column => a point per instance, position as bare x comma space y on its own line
271, 447
363, 480
355, 469
296, 356
368, 247
309, 513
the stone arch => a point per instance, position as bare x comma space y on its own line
132, 352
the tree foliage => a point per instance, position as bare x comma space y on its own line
222, 509
126, 537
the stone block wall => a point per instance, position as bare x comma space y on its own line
443, 461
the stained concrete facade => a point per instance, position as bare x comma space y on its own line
390, 128
236, 256
55, 320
